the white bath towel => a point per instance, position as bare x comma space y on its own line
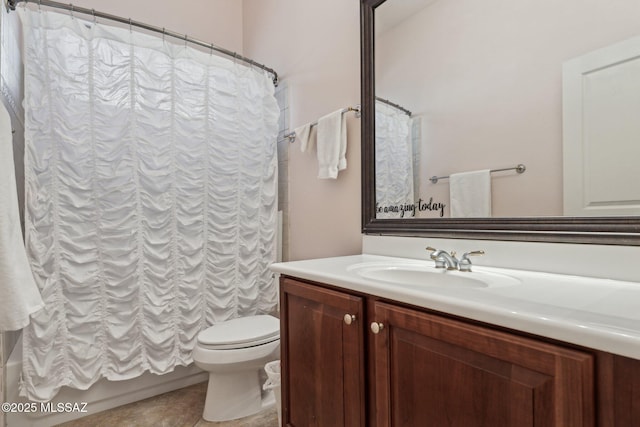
470, 194
19, 295
302, 135
332, 145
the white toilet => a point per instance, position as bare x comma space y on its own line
234, 352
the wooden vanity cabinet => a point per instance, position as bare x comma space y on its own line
322, 356
393, 365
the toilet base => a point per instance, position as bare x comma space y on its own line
232, 395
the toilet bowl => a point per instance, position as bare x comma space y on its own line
234, 353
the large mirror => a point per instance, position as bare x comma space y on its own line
513, 120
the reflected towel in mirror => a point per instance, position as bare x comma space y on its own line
470, 194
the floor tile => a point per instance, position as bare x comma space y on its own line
267, 418
179, 408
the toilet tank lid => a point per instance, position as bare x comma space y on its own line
241, 330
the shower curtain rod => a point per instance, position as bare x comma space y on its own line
11, 4
394, 105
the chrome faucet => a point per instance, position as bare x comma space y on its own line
449, 261
443, 259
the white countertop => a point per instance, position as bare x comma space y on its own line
597, 313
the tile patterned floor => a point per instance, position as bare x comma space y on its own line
179, 408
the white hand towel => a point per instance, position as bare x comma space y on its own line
332, 145
470, 194
19, 295
302, 135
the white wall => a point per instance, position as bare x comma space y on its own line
315, 46
487, 79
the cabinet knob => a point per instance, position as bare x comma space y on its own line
376, 327
349, 318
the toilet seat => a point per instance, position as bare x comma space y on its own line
242, 332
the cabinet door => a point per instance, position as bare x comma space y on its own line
322, 356
433, 371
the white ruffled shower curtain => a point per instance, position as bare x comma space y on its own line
150, 199
394, 161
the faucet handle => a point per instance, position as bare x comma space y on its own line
434, 252
474, 253
465, 263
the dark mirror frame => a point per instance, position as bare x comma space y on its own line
595, 230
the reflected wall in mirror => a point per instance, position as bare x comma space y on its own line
492, 85
482, 87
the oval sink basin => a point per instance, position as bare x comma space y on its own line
422, 275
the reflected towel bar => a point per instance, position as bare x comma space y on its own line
520, 169
292, 135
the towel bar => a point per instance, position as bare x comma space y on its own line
292, 135
520, 169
